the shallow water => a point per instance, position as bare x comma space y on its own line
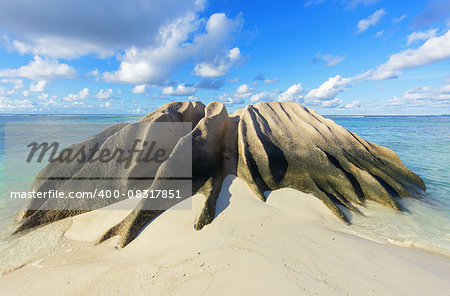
421, 143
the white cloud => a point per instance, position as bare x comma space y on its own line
60, 47
220, 65
433, 50
41, 69
423, 35
104, 94
18, 83
193, 98
331, 60
263, 96
180, 90
26, 93
76, 28
334, 103
270, 81
176, 46
6, 92
330, 88
43, 97
7, 105
354, 104
107, 104
242, 92
379, 34
424, 96
81, 95
47, 101
372, 20
244, 88
293, 94
38, 86
139, 89
230, 99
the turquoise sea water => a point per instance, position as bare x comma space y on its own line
421, 142
423, 145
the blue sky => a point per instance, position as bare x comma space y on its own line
131, 56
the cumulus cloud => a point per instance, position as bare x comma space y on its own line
104, 94
262, 96
180, 90
325, 94
41, 69
59, 32
334, 103
424, 96
293, 94
242, 92
8, 105
244, 88
193, 98
81, 95
38, 86
331, 60
139, 89
330, 88
435, 49
175, 46
372, 20
423, 35
220, 65
353, 104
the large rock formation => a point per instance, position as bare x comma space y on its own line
269, 145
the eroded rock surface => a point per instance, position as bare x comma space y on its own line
269, 145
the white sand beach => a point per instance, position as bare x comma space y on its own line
290, 245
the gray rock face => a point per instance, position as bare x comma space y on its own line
269, 145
